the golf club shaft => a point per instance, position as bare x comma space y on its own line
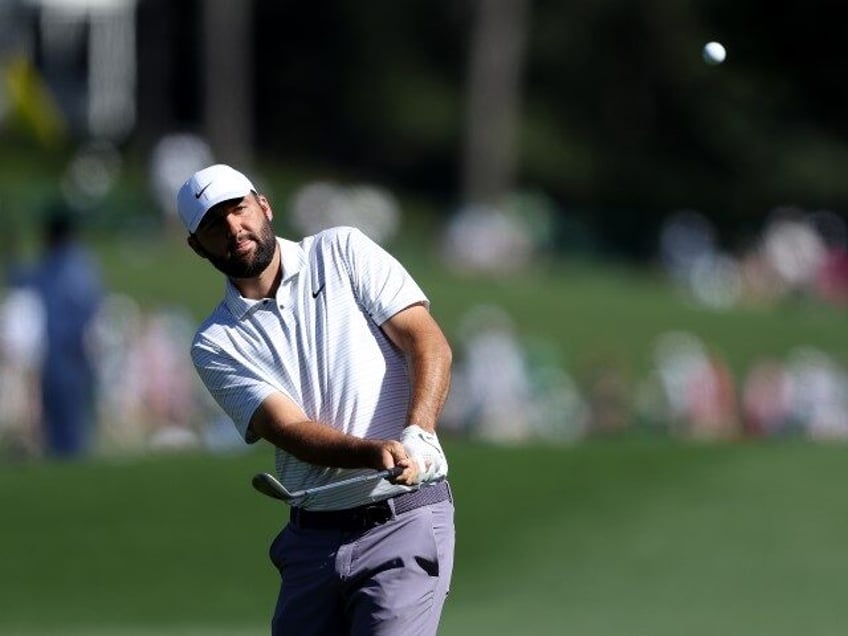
383, 474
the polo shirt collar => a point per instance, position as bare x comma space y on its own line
294, 259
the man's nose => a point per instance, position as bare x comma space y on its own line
231, 222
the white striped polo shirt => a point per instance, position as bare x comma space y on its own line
319, 343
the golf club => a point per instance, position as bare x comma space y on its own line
269, 485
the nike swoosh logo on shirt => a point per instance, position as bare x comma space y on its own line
319, 290
202, 190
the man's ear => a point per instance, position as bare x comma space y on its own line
266, 207
194, 244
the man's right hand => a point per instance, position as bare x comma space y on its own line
393, 453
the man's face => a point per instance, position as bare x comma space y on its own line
236, 237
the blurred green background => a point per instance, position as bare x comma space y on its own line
638, 256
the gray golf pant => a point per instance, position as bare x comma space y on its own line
390, 580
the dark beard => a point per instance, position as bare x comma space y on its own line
248, 266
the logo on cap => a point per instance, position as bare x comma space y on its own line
202, 190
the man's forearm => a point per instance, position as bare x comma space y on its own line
320, 444
430, 373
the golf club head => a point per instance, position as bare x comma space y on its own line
268, 485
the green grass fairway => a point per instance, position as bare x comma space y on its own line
606, 538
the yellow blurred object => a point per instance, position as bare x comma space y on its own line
31, 100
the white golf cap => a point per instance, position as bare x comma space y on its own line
207, 188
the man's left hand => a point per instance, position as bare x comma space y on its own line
423, 447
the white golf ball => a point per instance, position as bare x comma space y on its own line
714, 53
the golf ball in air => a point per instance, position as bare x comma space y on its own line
714, 53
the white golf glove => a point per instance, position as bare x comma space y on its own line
423, 446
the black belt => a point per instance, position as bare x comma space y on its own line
370, 515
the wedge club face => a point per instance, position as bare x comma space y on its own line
269, 485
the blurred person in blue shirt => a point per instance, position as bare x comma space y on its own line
68, 282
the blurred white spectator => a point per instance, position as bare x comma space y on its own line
500, 239
21, 353
320, 205
22, 328
557, 410
677, 357
793, 246
698, 387
486, 239
493, 392
716, 281
502, 392
174, 158
692, 259
819, 394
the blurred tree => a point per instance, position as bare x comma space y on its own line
160, 84
228, 79
496, 60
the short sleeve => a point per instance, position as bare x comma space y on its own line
382, 285
236, 388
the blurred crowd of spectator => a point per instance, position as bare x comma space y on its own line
120, 380
797, 253
147, 396
46, 319
145, 391
689, 391
84, 371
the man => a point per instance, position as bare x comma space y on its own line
326, 349
68, 282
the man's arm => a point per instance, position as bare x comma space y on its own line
280, 421
415, 332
